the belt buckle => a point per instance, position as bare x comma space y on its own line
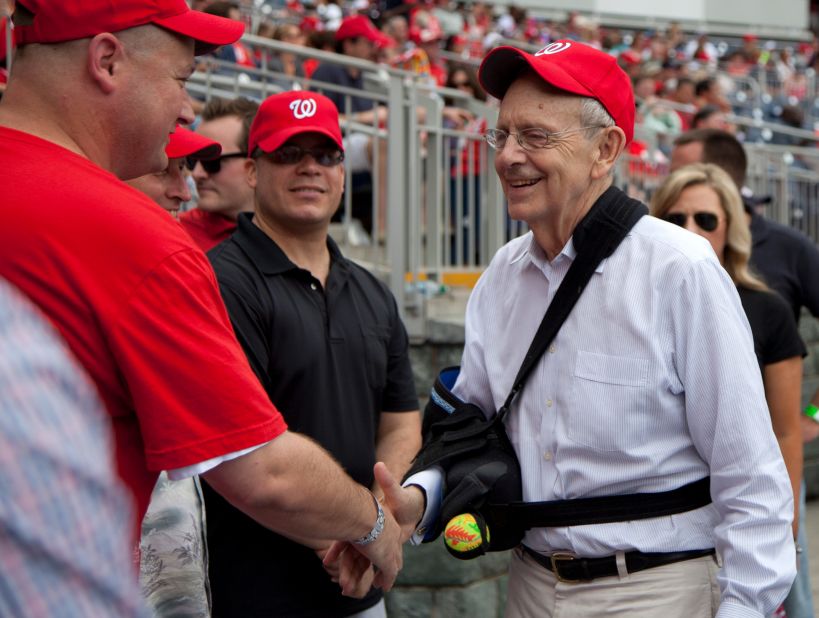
558, 557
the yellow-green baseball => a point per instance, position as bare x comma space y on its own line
462, 533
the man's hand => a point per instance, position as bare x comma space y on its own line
405, 503
810, 429
385, 554
458, 116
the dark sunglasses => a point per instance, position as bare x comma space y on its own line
289, 154
706, 221
213, 166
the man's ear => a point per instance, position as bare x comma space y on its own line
250, 172
105, 59
610, 146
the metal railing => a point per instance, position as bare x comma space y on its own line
433, 204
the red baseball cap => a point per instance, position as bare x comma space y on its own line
360, 25
570, 66
281, 116
56, 21
186, 143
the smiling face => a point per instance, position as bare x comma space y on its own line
545, 184
300, 195
168, 188
154, 99
703, 199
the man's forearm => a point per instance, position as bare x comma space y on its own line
399, 438
295, 488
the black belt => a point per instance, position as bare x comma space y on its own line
570, 569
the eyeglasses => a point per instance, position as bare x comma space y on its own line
529, 139
214, 166
706, 221
290, 154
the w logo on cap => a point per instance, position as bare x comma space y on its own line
553, 48
303, 108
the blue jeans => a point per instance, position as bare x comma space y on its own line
799, 603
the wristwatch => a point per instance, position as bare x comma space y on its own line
373, 534
812, 412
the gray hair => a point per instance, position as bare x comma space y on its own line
593, 114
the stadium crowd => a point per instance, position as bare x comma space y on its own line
269, 177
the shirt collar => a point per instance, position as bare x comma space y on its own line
537, 255
266, 254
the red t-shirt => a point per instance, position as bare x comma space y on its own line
138, 305
207, 229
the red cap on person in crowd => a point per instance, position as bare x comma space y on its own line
750, 36
281, 116
360, 25
567, 65
186, 143
67, 20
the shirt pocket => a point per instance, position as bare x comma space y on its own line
376, 343
608, 402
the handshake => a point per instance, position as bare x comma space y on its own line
376, 559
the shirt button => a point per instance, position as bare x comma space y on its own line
313, 286
552, 349
548, 403
547, 456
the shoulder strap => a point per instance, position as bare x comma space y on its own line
596, 238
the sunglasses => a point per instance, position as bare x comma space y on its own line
706, 221
290, 154
213, 166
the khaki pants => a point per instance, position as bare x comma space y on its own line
685, 589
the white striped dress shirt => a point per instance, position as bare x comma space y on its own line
650, 384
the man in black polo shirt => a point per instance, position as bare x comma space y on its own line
324, 337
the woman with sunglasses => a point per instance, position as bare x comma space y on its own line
703, 199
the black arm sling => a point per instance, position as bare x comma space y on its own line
481, 469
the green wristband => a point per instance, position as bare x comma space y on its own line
812, 412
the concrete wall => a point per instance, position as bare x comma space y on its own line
435, 585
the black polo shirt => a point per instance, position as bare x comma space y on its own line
331, 360
788, 261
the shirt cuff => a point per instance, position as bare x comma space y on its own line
177, 474
733, 610
431, 482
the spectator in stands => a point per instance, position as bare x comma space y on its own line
298, 308
710, 117
220, 182
466, 166
709, 92
169, 188
750, 48
788, 262
701, 49
684, 94
106, 267
426, 33
238, 52
287, 63
397, 29
65, 516
703, 199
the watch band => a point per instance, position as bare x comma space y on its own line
812, 412
373, 534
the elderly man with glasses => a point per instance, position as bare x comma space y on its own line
650, 385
